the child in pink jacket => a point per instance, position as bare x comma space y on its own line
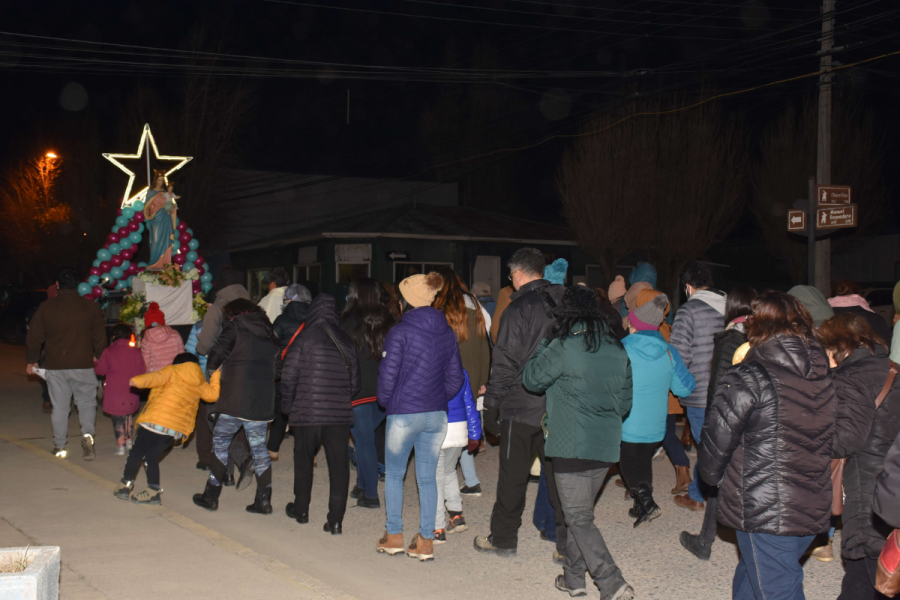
160, 344
120, 362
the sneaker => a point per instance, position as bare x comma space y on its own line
560, 584
124, 492
390, 544
87, 446
357, 492
694, 545
129, 444
120, 451
421, 548
475, 491
60, 453
440, 536
558, 558
484, 543
660, 452
457, 524
145, 497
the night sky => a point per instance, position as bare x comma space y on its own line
549, 64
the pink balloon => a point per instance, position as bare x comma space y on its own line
132, 269
141, 269
200, 260
199, 268
107, 245
95, 271
134, 226
127, 253
179, 259
119, 212
182, 226
138, 217
113, 238
195, 286
97, 291
117, 260
184, 238
104, 267
123, 232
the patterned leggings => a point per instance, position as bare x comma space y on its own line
123, 426
226, 428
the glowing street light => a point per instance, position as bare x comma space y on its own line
50, 155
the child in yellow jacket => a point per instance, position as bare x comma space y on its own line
176, 391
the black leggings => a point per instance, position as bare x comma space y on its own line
636, 463
148, 447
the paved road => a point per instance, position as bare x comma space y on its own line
113, 549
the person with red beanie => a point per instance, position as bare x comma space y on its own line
160, 344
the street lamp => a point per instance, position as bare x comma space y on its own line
50, 155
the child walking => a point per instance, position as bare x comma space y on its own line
175, 394
160, 344
119, 363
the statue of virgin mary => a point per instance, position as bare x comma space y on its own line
159, 215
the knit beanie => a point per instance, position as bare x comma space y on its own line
616, 288
814, 302
555, 272
649, 316
420, 290
154, 316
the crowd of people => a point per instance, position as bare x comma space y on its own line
791, 399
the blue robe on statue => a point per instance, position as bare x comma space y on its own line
161, 223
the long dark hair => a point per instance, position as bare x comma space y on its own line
451, 300
367, 305
579, 306
739, 303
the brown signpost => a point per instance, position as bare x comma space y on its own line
836, 217
796, 220
833, 194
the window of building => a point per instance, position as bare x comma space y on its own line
403, 269
257, 283
348, 271
310, 273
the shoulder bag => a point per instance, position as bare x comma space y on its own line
341, 350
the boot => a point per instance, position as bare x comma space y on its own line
694, 545
649, 509
421, 548
390, 543
209, 499
637, 510
682, 480
263, 503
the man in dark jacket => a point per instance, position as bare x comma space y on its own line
319, 377
526, 322
697, 321
71, 329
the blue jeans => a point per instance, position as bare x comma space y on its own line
467, 464
695, 417
224, 432
425, 432
544, 517
769, 567
366, 418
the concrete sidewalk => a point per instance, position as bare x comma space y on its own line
115, 549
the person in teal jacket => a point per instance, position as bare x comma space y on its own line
585, 373
657, 368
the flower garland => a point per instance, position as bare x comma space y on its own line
171, 275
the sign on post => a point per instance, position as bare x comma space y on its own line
796, 220
833, 194
836, 218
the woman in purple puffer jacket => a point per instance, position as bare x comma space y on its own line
420, 373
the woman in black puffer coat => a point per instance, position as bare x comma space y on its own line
245, 351
767, 443
863, 436
319, 378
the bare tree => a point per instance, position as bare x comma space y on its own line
788, 158
670, 185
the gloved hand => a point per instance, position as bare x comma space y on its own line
473, 446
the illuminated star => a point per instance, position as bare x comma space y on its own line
127, 199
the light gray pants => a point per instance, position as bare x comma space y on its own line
585, 548
63, 384
447, 486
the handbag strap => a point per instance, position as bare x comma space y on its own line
341, 350
283, 352
892, 373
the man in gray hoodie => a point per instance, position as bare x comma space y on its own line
701, 317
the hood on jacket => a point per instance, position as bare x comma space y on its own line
296, 311
791, 353
159, 333
814, 301
644, 272
322, 311
714, 298
189, 373
649, 345
256, 323
231, 292
427, 319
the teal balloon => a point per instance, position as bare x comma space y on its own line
206, 286
115, 228
126, 242
114, 249
176, 245
137, 206
140, 229
206, 277
121, 221
120, 285
187, 266
103, 254
129, 282
125, 264
96, 262
190, 231
84, 288
193, 244
177, 221
135, 237
105, 277
92, 281
142, 264
128, 212
116, 272
191, 256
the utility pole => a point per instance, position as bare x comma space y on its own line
823, 146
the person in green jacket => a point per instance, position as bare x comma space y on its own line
586, 374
